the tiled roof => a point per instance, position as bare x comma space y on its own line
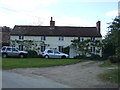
55, 31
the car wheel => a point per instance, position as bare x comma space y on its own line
4, 55
63, 57
21, 56
46, 56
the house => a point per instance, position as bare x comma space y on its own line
4, 36
59, 37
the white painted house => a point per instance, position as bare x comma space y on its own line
53, 36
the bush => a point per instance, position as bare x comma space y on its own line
96, 57
92, 57
81, 57
66, 50
32, 54
114, 59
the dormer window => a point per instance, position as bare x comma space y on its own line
43, 38
21, 37
61, 38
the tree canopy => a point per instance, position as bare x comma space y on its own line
112, 39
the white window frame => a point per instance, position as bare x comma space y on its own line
61, 38
93, 38
43, 48
81, 39
21, 47
21, 37
43, 38
61, 48
93, 50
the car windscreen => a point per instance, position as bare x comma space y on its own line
57, 52
3, 49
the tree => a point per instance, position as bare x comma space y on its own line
29, 44
112, 39
83, 48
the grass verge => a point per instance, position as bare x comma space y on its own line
107, 63
10, 63
111, 76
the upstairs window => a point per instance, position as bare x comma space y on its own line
43, 38
21, 37
93, 38
61, 38
81, 39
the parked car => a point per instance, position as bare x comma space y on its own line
8, 51
51, 53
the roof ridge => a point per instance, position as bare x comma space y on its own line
55, 26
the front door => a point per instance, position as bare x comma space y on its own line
72, 52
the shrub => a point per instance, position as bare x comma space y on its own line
66, 50
96, 57
92, 57
80, 57
114, 59
32, 54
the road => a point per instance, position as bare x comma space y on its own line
14, 80
80, 75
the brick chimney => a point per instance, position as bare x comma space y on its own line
98, 25
52, 23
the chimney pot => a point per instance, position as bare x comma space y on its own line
98, 26
52, 23
51, 18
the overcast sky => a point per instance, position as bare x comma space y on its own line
64, 12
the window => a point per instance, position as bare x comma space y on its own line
60, 48
92, 49
14, 49
3, 49
93, 38
21, 37
43, 38
81, 39
61, 38
9, 49
56, 52
21, 47
50, 51
43, 48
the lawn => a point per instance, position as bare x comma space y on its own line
10, 63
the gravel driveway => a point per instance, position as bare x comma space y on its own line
81, 75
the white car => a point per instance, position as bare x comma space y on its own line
50, 53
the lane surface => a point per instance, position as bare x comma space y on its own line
14, 80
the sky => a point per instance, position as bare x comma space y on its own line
82, 13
